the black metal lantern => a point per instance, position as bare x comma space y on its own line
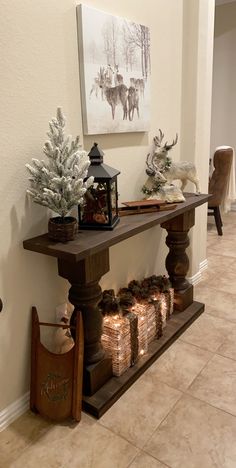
100, 209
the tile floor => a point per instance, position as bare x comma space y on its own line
180, 414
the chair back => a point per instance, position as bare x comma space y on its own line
219, 181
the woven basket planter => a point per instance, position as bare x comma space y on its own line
62, 229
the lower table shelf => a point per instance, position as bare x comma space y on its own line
106, 396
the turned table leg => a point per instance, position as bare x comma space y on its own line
177, 262
85, 294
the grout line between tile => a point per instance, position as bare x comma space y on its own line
184, 391
164, 418
210, 404
196, 346
205, 365
151, 456
119, 435
137, 455
181, 338
226, 357
227, 320
141, 448
223, 355
154, 458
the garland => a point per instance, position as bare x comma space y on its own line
167, 164
156, 186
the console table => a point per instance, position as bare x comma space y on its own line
86, 259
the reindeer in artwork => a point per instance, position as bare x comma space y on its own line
160, 165
95, 86
118, 76
117, 95
138, 83
109, 75
97, 82
133, 102
104, 78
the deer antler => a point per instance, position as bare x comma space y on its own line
168, 147
158, 139
150, 169
151, 157
156, 159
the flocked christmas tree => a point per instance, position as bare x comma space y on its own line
59, 183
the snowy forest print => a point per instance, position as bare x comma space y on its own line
114, 73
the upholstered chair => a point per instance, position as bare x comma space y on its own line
219, 183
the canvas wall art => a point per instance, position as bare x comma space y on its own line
114, 55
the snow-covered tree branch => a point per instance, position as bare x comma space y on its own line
59, 183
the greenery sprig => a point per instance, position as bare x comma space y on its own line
156, 185
155, 188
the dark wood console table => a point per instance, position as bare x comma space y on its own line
86, 259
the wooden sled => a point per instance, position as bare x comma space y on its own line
56, 379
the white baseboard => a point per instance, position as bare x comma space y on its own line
13, 411
203, 265
195, 279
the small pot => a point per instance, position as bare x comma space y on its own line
62, 229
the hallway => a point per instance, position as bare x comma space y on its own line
180, 414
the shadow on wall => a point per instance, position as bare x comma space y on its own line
136, 258
26, 277
117, 140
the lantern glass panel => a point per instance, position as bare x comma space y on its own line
100, 209
113, 199
96, 207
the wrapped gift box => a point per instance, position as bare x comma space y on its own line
169, 297
129, 303
116, 342
134, 318
141, 312
144, 299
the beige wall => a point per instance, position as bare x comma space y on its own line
39, 71
224, 78
196, 108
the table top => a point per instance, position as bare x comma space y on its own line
89, 242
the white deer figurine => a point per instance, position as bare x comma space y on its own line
160, 166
